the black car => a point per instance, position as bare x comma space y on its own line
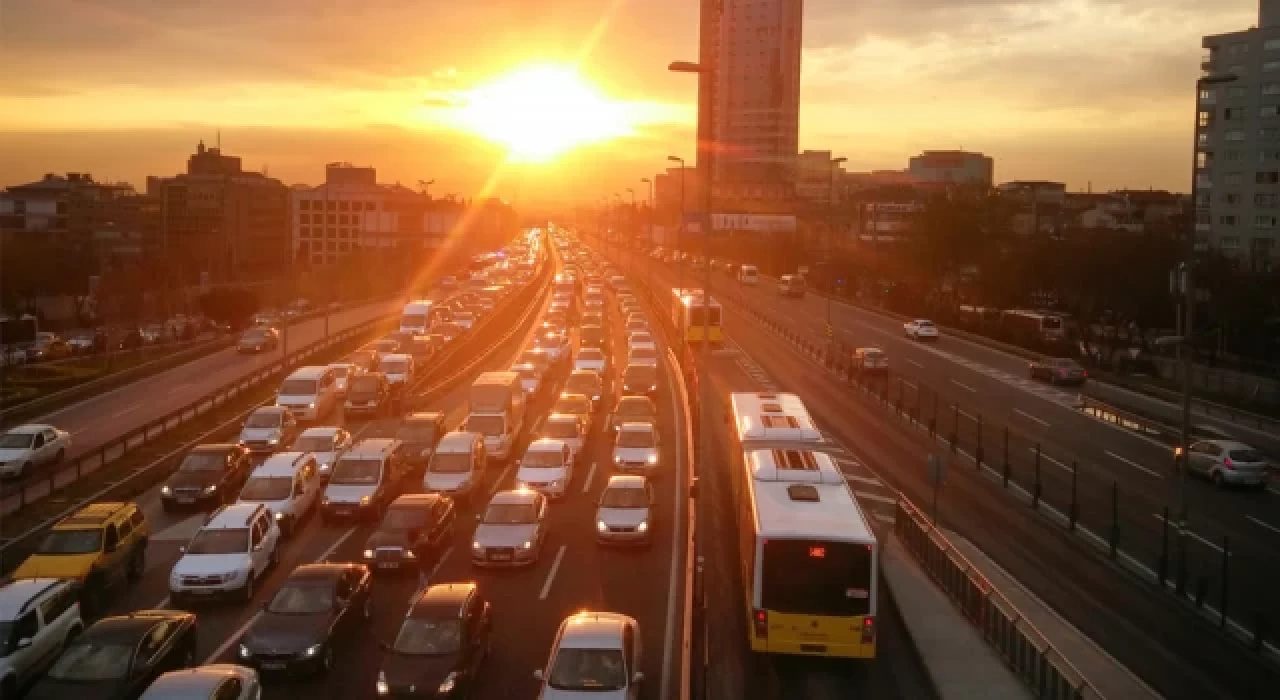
209, 475
420, 433
415, 528
640, 380
368, 393
118, 657
442, 643
317, 608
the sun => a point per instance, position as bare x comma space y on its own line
540, 112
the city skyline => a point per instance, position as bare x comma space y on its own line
1080, 91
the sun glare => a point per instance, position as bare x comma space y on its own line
540, 112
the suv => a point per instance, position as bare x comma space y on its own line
208, 475
100, 546
228, 556
269, 429
289, 484
368, 393
364, 481
39, 616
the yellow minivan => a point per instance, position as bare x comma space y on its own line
102, 545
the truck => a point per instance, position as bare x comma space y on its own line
496, 411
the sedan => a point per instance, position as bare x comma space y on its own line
442, 643
314, 610
211, 682
28, 446
595, 655
624, 514
586, 382
208, 475
1059, 370
593, 359
258, 340
637, 448
920, 329
1228, 462
511, 530
633, 409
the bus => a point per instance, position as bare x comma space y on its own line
419, 315
690, 310
809, 557
1049, 326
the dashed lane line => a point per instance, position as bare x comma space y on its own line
551, 575
1135, 465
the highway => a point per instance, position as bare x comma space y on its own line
1150, 634
573, 573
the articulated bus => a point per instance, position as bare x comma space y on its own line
809, 557
688, 314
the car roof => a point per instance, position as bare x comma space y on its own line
457, 441
281, 464
545, 445
270, 409
93, 515
515, 497
585, 372
416, 499
636, 399
373, 446
15, 595
309, 372
563, 418
235, 515
396, 356
626, 481
424, 417
321, 431
129, 628
573, 395
637, 426
29, 428
320, 571
1230, 444
195, 683
593, 630
441, 598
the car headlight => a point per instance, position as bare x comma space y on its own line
408, 554
279, 516
364, 500
325, 501
273, 441
166, 491
643, 526
244, 652
311, 405
653, 459
368, 554
556, 484
476, 546
446, 686
601, 527
528, 544
520, 485
210, 488
381, 685
311, 651
617, 459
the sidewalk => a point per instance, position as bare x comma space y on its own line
961, 665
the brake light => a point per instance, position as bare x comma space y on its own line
868, 630
1228, 463
762, 623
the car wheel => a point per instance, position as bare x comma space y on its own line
1216, 478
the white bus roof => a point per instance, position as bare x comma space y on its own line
817, 510
772, 417
418, 304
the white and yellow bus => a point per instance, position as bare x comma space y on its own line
688, 307
809, 558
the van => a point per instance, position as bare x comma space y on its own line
310, 392
399, 370
748, 274
455, 466
364, 481
288, 483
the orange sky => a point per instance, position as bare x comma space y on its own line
1078, 90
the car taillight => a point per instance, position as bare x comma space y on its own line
1228, 463
868, 630
762, 623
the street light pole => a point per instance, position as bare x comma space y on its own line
831, 230
680, 226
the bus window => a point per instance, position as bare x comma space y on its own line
806, 577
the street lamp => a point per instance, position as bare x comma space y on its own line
680, 226
831, 230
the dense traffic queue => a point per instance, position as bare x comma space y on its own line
292, 462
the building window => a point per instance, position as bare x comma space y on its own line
1271, 88
1204, 119
1231, 113
1236, 91
342, 205
304, 204
1203, 159
368, 206
1231, 198
1265, 201
1268, 155
1264, 221
1266, 177
1232, 179
1271, 45
331, 205
1234, 135
1270, 66
1229, 242
1267, 111
342, 219
1230, 154
1238, 49
1227, 220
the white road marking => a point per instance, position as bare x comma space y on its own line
1028, 416
1051, 460
235, 636
1263, 523
912, 362
439, 563
863, 479
551, 575
586, 487
1207, 543
964, 386
1135, 465
875, 497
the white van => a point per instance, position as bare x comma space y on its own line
289, 484
310, 392
456, 466
748, 274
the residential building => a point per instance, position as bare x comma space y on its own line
1236, 188
1039, 206
819, 177
952, 167
67, 208
667, 193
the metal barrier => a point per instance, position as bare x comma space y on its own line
1026, 651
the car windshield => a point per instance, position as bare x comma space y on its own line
298, 387
220, 541
572, 404
624, 498
302, 599
71, 542
364, 384
450, 462
563, 429
418, 431
16, 441
1245, 455
640, 374
637, 409
429, 636
314, 443
356, 471
509, 514
543, 458
641, 338
531, 357
404, 518
588, 670
203, 462
583, 383
590, 355
528, 372
265, 419
635, 438
489, 425
394, 367
91, 660
267, 488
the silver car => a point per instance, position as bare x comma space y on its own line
511, 530
636, 448
625, 512
212, 682
1228, 462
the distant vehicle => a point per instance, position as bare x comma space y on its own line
368, 393
420, 433
791, 286
416, 527
260, 339
586, 381
441, 645
630, 409
309, 392
288, 484
456, 467
637, 448
624, 513
465, 320
1047, 326
341, 372
870, 361
920, 329
418, 316
327, 443
364, 481
209, 475
570, 429
25, 447
1227, 462
1058, 370
269, 429
640, 378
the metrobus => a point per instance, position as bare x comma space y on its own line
809, 557
419, 315
690, 311
1049, 326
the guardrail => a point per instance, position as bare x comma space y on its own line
1022, 647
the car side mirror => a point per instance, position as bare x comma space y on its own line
538, 675
637, 677
182, 549
23, 643
477, 517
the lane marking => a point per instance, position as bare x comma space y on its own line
1189, 531
1135, 465
1263, 523
964, 386
875, 497
586, 488
683, 530
1045, 456
235, 636
863, 479
883, 518
1028, 416
912, 362
439, 563
551, 575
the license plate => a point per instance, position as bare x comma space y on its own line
500, 557
273, 665
388, 565
202, 591
186, 500
343, 511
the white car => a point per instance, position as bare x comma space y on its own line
210, 682
26, 447
920, 329
569, 429
643, 354
593, 359
511, 530
595, 655
464, 320
45, 614
641, 338
268, 429
636, 323
624, 513
637, 447
579, 405
547, 467
530, 377
326, 442
288, 483
556, 343
342, 371
228, 556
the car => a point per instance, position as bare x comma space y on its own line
211, 682
420, 432
540, 357
364, 360
38, 616
511, 530
592, 359
101, 547
227, 557
633, 409
555, 343
456, 466
368, 394
117, 657
594, 655
384, 347
441, 646
466, 320
624, 514
558, 315
289, 484
593, 337
587, 382
449, 330
309, 392
416, 527
316, 609
364, 481
208, 475
268, 429
342, 372
642, 354
569, 429
399, 371
637, 447
920, 329
870, 361
636, 323
1058, 370
594, 318
641, 378
260, 339
576, 404
1228, 462
25, 447
547, 467
530, 377
327, 443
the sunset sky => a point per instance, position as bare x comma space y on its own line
1076, 90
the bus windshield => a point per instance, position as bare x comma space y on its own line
807, 577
